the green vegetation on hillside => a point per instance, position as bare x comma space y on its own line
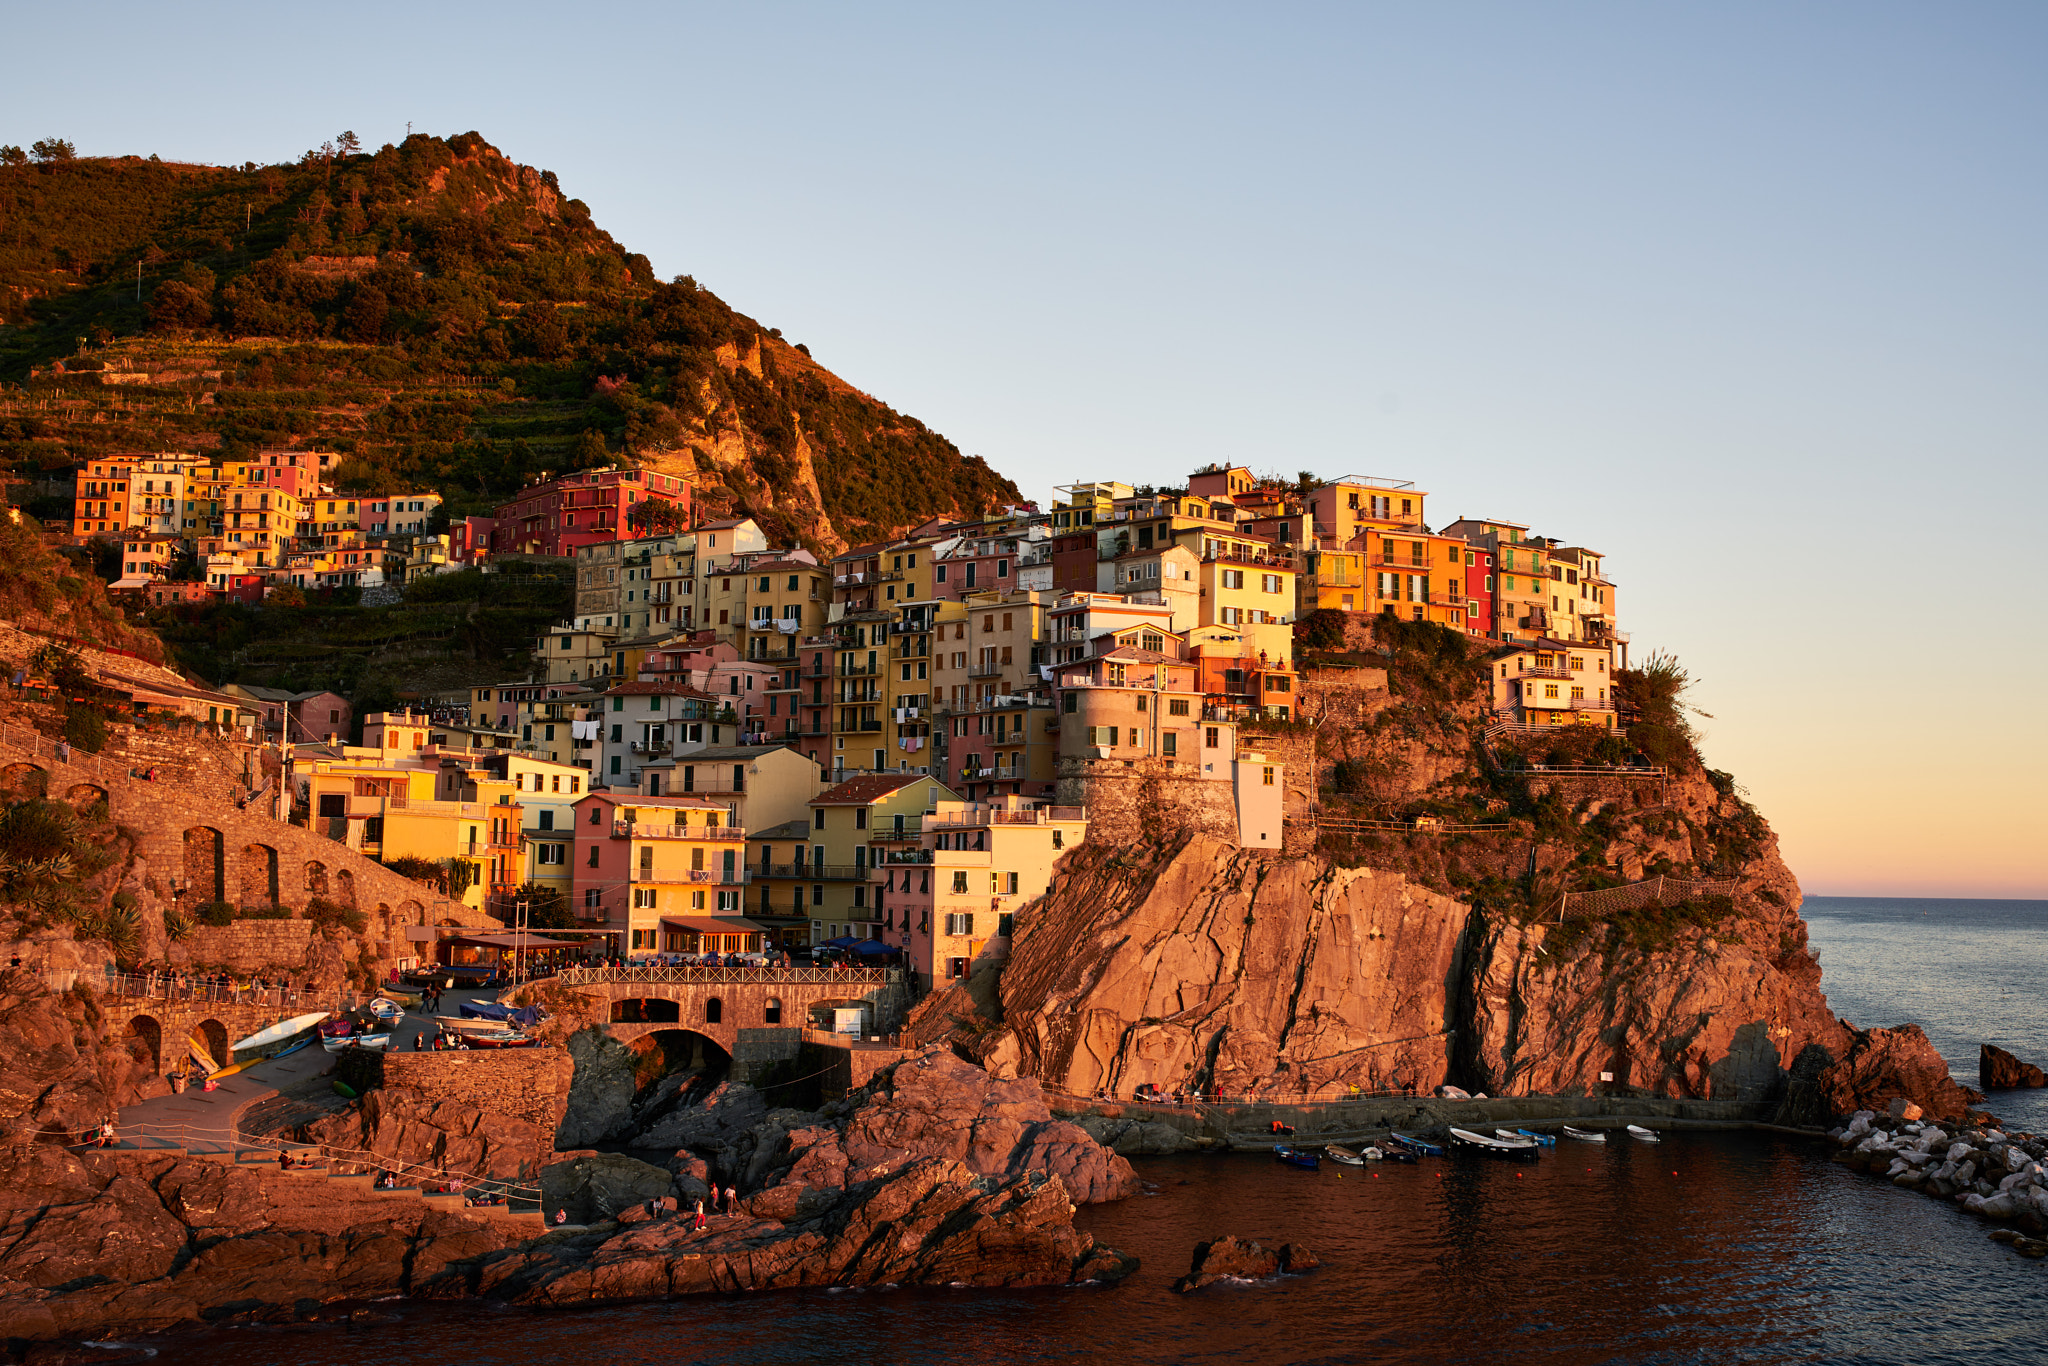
436, 314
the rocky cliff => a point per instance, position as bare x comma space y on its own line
1587, 920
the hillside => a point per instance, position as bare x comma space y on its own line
438, 314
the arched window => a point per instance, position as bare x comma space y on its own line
772, 1012
714, 1011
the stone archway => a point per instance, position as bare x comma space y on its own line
146, 1042
714, 1010
24, 780
686, 1048
647, 1010
345, 888
205, 864
257, 885
85, 796
316, 878
212, 1035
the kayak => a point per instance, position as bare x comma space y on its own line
279, 1032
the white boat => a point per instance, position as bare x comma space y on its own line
344, 1042
1540, 1140
1585, 1135
1494, 1147
1344, 1155
279, 1032
1639, 1133
463, 1024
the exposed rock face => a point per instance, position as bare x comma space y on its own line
1212, 968
601, 1186
601, 1097
931, 1222
1998, 1070
1198, 965
410, 1129
1239, 1259
1877, 1065
101, 1244
933, 1105
57, 1070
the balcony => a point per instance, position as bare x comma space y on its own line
1408, 563
1267, 559
813, 872
1592, 704
699, 877
718, 834
1544, 673
650, 747
858, 670
967, 820
987, 670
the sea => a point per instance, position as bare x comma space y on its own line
1703, 1248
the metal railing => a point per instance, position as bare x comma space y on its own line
741, 974
721, 833
163, 986
1655, 891
815, 872
1037, 816
37, 745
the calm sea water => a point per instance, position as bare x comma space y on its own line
1704, 1248
1968, 972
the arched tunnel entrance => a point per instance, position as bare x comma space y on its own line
146, 1043
674, 1069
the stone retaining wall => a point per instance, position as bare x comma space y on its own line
528, 1084
250, 945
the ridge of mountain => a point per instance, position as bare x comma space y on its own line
438, 315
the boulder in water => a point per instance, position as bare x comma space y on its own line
1998, 1070
1240, 1259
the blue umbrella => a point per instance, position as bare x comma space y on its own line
844, 941
871, 947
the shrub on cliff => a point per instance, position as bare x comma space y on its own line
1661, 726
333, 915
217, 914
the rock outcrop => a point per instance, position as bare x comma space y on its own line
933, 1221
1875, 1066
1998, 1070
597, 1187
1239, 1259
412, 1130
1205, 966
105, 1243
1989, 1173
601, 1097
932, 1105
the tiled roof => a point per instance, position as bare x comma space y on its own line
866, 789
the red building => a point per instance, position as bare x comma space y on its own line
576, 510
1479, 591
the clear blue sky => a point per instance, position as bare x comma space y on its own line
1751, 297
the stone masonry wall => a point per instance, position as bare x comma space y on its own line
1147, 798
527, 1084
250, 945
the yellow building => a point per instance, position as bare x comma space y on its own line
478, 840
1248, 586
788, 598
1555, 683
647, 868
844, 820
1343, 508
956, 891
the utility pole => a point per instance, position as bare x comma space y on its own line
138, 281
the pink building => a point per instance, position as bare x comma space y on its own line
576, 510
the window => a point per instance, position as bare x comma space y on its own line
1550, 690
1233, 578
1169, 743
593, 856
1210, 737
1269, 583
1009, 884
643, 898
959, 889
962, 924
552, 853
596, 815
1266, 776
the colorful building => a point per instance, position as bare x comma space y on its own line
644, 865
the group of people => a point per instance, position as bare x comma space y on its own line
722, 1202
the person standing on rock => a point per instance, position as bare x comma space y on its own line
700, 1221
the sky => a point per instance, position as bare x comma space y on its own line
1748, 296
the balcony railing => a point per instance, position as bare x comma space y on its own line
1592, 704
1269, 559
722, 834
986, 670
858, 670
1544, 673
813, 872
993, 816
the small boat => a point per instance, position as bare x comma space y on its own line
1642, 1135
408, 999
1493, 1147
1420, 1145
1344, 1155
500, 1040
1394, 1152
1295, 1157
343, 1042
1585, 1135
278, 1033
1542, 1140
